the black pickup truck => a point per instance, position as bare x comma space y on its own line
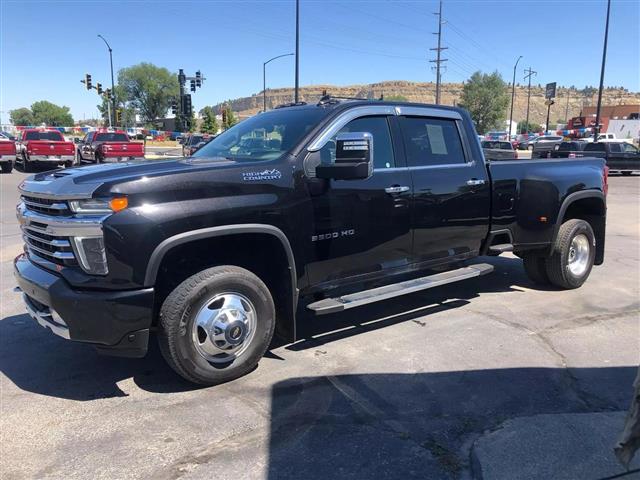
620, 156
341, 204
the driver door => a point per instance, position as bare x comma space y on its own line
361, 228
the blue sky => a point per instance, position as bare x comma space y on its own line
47, 46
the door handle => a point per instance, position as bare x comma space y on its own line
475, 181
396, 189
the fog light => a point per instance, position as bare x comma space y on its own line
91, 254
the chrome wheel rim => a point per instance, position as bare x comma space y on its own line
224, 327
579, 250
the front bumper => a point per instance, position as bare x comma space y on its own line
117, 323
7, 158
52, 158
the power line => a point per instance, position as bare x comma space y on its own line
438, 61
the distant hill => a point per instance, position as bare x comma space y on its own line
424, 92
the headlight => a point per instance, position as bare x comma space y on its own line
95, 206
91, 254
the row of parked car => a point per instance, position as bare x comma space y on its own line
621, 156
35, 146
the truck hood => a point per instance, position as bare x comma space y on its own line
82, 182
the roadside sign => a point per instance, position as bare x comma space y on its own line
550, 90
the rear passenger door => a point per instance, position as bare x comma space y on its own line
451, 197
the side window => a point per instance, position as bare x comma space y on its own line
382, 147
431, 141
615, 148
628, 148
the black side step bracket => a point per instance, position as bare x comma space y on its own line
338, 304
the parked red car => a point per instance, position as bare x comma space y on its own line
44, 145
106, 145
7, 154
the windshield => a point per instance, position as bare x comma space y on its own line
550, 139
266, 136
55, 136
195, 139
112, 137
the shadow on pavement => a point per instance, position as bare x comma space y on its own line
37, 361
423, 425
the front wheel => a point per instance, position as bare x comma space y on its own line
216, 325
573, 254
535, 268
626, 174
7, 167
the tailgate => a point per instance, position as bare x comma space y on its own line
123, 149
46, 147
7, 148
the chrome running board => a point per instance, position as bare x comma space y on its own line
334, 305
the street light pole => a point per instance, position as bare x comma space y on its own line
264, 79
113, 86
513, 95
596, 130
296, 96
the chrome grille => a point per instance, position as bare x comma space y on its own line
52, 248
46, 205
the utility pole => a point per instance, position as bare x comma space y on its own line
596, 130
296, 96
528, 75
513, 95
438, 49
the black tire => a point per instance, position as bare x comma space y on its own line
535, 268
7, 167
557, 265
179, 311
626, 174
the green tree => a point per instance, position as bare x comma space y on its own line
485, 97
532, 127
21, 116
51, 114
209, 122
148, 89
228, 117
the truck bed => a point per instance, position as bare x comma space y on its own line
527, 195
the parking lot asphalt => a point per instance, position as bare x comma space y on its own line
493, 377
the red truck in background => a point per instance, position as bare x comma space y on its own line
109, 146
7, 154
44, 145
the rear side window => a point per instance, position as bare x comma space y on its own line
431, 141
615, 148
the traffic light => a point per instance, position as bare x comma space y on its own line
186, 106
99, 88
193, 85
107, 94
118, 116
224, 116
87, 81
198, 79
174, 107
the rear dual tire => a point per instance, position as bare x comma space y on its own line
571, 259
